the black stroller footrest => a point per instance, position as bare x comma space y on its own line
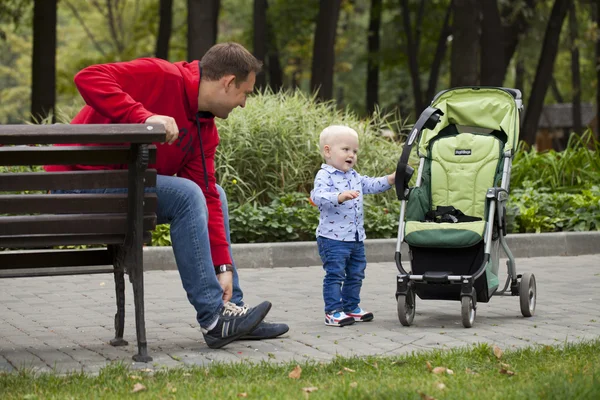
436, 276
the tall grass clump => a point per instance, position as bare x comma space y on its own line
271, 148
576, 167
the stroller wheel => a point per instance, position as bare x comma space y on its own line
527, 294
468, 310
406, 307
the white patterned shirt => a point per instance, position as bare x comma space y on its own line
343, 221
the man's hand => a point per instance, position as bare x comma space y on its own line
347, 195
170, 126
226, 282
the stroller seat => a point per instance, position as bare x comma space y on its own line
463, 166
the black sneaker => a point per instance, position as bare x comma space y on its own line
234, 322
265, 330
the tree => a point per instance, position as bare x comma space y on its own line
43, 60
324, 49
260, 37
544, 70
575, 74
203, 17
164, 29
373, 55
465, 43
596, 17
413, 51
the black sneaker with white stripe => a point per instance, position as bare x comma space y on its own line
235, 322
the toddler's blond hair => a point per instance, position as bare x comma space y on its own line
329, 134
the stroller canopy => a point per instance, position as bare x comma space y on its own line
482, 108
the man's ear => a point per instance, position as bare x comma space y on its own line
228, 81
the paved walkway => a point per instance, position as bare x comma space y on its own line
66, 322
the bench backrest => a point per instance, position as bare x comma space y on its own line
42, 220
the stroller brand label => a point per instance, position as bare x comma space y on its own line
462, 152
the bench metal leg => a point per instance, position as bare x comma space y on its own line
137, 280
119, 276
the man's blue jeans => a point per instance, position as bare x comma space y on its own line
182, 204
344, 264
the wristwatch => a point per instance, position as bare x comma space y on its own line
219, 269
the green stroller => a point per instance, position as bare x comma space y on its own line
454, 218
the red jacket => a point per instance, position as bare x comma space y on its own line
130, 92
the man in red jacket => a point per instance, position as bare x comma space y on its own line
185, 98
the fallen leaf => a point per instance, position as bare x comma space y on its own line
506, 366
440, 386
439, 370
102, 283
449, 371
470, 371
310, 389
497, 352
296, 372
340, 373
134, 377
138, 387
506, 372
187, 374
242, 394
171, 388
426, 396
354, 384
429, 366
349, 370
146, 370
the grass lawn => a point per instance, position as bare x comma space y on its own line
570, 371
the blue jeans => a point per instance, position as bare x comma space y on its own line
344, 264
182, 204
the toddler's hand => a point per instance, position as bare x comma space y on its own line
347, 195
391, 178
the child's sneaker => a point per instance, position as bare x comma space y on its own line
360, 315
338, 318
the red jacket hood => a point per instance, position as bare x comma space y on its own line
191, 76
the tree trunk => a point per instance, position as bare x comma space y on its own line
515, 30
465, 44
440, 52
544, 70
575, 75
492, 49
43, 60
260, 38
413, 57
324, 49
520, 74
596, 12
203, 18
164, 29
274, 65
373, 56
555, 92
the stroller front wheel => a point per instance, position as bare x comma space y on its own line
406, 307
527, 294
468, 310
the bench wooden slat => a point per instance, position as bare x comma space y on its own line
45, 241
68, 155
81, 134
71, 203
54, 258
45, 224
55, 272
70, 180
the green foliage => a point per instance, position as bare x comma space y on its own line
575, 167
271, 147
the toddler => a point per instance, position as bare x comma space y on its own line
338, 192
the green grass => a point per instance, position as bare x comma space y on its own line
571, 371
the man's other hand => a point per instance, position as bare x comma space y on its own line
226, 282
170, 126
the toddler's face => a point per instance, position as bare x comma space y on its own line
342, 154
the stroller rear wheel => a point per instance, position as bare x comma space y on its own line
406, 307
468, 310
527, 294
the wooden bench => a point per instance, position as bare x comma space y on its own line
40, 221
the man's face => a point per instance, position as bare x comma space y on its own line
233, 94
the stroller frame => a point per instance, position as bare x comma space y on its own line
496, 197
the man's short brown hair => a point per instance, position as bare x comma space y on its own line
229, 59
